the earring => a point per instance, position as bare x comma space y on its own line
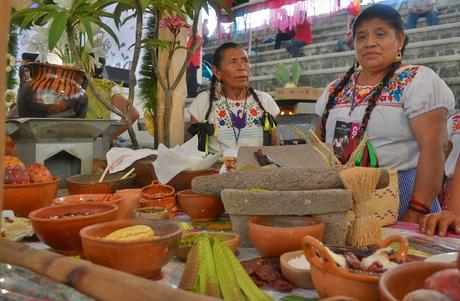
398, 57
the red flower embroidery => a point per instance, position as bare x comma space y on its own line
253, 112
222, 113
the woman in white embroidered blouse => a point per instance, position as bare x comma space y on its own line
403, 108
232, 113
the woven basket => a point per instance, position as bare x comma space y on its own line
385, 202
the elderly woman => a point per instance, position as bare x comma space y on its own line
232, 114
402, 108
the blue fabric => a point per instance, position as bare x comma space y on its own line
406, 182
294, 47
431, 19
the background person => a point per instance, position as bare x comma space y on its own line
403, 108
303, 36
419, 9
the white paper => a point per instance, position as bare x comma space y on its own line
172, 161
119, 158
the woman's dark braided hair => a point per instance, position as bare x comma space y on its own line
216, 61
392, 18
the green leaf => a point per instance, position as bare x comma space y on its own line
88, 29
295, 71
110, 32
144, 4
150, 43
57, 29
282, 74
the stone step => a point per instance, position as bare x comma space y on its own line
446, 66
417, 50
334, 24
415, 35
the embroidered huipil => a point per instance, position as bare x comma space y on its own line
234, 119
412, 91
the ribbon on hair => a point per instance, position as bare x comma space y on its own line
268, 122
203, 130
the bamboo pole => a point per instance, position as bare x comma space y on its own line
96, 281
4, 35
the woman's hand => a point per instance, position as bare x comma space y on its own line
442, 220
412, 217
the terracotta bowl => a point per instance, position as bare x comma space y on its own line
152, 213
331, 280
230, 239
24, 198
275, 235
299, 277
129, 203
85, 184
156, 190
88, 199
141, 258
400, 281
62, 233
201, 208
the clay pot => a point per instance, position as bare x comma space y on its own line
129, 203
331, 280
182, 181
88, 199
47, 90
24, 198
87, 184
62, 234
232, 240
152, 213
275, 235
299, 277
400, 281
142, 258
159, 195
201, 208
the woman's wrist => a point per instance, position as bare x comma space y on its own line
419, 206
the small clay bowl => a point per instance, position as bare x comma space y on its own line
299, 277
152, 213
275, 235
232, 240
62, 233
156, 190
87, 184
398, 282
88, 199
331, 280
25, 198
201, 208
143, 258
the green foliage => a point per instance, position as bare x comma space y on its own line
284, 77
148, 82
13, 50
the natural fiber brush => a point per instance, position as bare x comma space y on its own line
361, 181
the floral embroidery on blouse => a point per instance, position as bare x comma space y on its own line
391, 95
240, 115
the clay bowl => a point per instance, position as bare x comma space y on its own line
275, 235
232, 240
86, 184
400, 281
24, 198
87, 199
129, 203
62, 233
152, 213
142, 258
201, 208
299, 277
331, 280
156, 190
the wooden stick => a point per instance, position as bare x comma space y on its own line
96, 281
104, 174
128, 173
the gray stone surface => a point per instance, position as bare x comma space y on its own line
336, 227
295, 156
286, 202
285, 179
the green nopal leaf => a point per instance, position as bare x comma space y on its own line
57, 28
295, 71
282, 74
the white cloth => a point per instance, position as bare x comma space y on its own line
229, 121
413, 91
120, 158
453, 132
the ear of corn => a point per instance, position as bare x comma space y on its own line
192, 269
207, 281
137, 232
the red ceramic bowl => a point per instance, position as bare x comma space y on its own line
62, 234
24, 198
201, 208
156, 190
88, 199
398, 282
276, 235
142, 258
87, 184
